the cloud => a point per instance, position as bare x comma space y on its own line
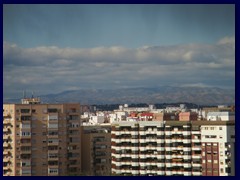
52, 69
227, 40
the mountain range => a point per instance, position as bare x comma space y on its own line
151, 95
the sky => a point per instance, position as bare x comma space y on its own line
54, 48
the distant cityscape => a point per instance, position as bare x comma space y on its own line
70, 139
119, 89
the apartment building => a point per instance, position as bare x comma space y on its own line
96, 150
165, 148
41, 139
218, 148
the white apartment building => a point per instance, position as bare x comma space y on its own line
218, 149
163, 148
221, 116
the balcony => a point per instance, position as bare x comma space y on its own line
6, 121
142, 156
117, 155
53, 158
53, 143
5, 145
6, 137
197, 156
196, 140
186, 133
186, 141
125, 132
142, 164
55, 136
25, 144
161, 173
26, 151
117, 140
6, 159
117, 163
53, 151
160, 141
116, 133
187, 165
135, 164
134, 156
179, 172
197, 164
187, 149
196, 132
168, 133
5, 152
73, 165
196, 148
168, 140
134, 140
134, 133
5, 130
7, 167
186, 173
168, 173
168, 164
196, 173
160, 164
25, 137
125, 140
176, 132
186, 156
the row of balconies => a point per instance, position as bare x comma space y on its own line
156, 172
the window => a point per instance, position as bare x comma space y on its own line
25, 110
52, 110
25, 134
221, 170
220, 128
52, 171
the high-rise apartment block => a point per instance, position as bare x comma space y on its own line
41, 139
96, 150
188, 148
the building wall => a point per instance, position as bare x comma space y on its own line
219, 155
96, 150
188, 116
45, 139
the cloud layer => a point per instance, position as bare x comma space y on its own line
52, 69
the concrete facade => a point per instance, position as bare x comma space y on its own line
41, 139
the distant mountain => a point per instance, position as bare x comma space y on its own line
164, 94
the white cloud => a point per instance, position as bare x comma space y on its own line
56, 69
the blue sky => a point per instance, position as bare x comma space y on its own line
111, 46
